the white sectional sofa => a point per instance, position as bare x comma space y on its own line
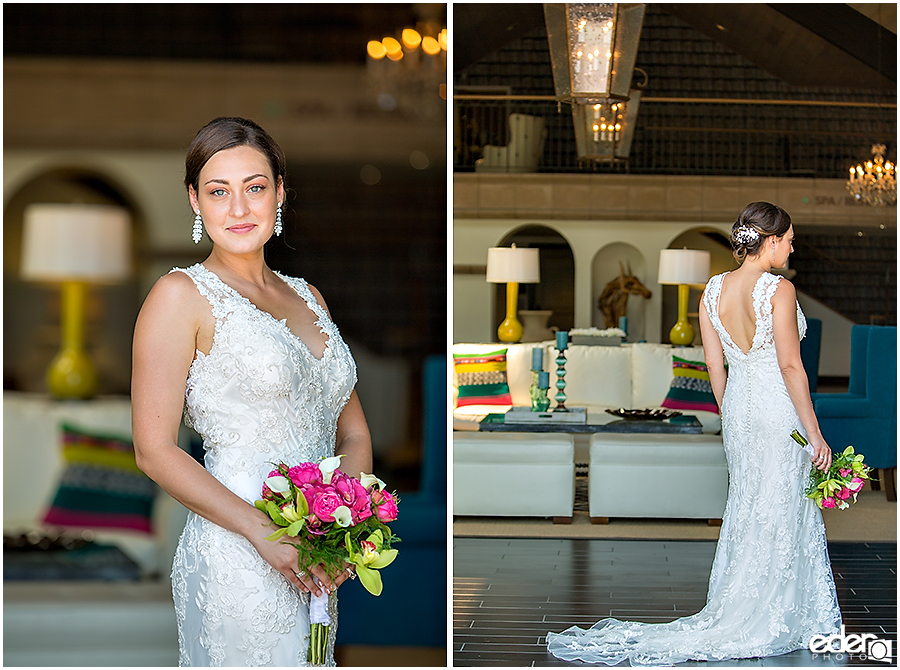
633, 376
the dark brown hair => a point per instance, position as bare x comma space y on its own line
227, 132
764, 218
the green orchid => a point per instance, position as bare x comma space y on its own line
291, 517
370, 559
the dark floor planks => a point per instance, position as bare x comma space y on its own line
507, 593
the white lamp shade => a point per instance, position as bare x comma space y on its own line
511, 264
71, 242
683, 266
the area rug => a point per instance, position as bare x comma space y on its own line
871, 519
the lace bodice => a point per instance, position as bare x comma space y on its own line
771, 587
260, 391
258, 397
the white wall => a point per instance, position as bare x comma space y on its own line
472, 237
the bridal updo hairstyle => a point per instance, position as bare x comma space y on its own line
758, 221
226, 133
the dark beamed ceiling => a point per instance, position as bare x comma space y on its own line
811, 44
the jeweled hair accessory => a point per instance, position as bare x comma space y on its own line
746, 235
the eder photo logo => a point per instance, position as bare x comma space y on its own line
866, 646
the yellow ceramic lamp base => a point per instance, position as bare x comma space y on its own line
682, 332
71, 374
511, 330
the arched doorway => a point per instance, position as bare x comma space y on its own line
556, 290
606, 267
720, 260
31, 317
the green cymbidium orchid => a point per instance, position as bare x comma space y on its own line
370, 559
291, 517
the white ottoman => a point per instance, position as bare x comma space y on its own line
657, 475
514, 474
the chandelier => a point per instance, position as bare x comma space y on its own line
874, 183
408, 73
593, 48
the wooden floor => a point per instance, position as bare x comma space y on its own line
507, 593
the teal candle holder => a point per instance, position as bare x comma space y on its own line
540, 385
561, 382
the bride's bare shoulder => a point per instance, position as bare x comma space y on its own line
175, 294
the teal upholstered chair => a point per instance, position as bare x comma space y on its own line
859, 344
412, 609
866, 416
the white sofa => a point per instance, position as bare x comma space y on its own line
99, 620
633, 376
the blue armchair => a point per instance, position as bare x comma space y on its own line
866, 416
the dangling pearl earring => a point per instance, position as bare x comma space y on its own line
198, 229
278, 226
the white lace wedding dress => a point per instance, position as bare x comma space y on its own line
258, 397
771, 587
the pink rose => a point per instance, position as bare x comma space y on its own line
844, 493
828, 502
355, 497
386, 506
845, 472
324, 501
305, 473
856, 485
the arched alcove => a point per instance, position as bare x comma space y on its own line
556, 290
31, 314
606, 266
721, 260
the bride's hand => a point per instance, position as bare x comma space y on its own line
822, 457
283, 557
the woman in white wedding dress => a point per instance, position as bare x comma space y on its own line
258, 368
771, 587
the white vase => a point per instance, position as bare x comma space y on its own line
534, 325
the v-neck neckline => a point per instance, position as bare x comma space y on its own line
755, 314
313, 306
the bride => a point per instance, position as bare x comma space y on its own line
771, 587
264, 376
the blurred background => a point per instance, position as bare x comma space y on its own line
100, 104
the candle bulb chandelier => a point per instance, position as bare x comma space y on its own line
593, 47
875, 182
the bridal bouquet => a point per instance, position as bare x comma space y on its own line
332, 519
844, 479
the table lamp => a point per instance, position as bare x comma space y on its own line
512, 266
73, 245
683, 268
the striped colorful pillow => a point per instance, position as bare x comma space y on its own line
101, 486
690, 389
481, 379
